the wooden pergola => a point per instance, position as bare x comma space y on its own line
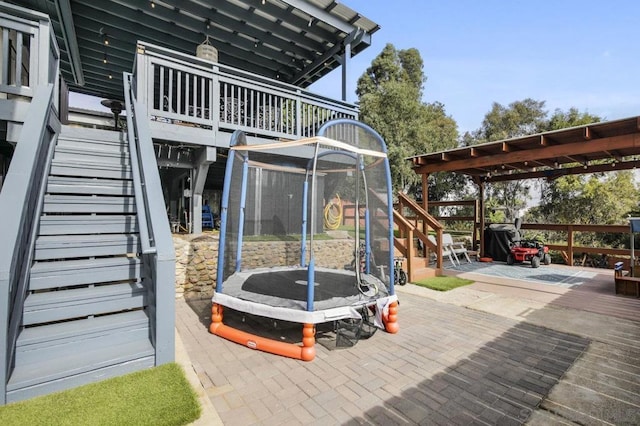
598, 147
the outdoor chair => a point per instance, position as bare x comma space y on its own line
458, 248
446, 251
207, 217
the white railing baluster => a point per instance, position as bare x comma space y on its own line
243, 101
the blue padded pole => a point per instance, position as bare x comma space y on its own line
303, 248
311, 279
243, 201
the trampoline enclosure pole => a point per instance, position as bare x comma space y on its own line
392, 289
303, 248
243, 201
311, 279
367, 229
226, 190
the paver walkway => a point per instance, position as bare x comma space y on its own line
489, 353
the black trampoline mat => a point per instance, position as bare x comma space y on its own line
292, 284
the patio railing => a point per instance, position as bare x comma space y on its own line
203, 97
28, 53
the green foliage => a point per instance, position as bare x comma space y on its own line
158, 396
390, 93
520, 118
573, 117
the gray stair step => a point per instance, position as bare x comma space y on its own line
71, 246
88, 204
81, 365
57, 347
90, 154
91, 135
81, 302
102, 145
87, 224
48, 275
65, 332
90, 169
89, 186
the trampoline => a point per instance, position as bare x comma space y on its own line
276, 193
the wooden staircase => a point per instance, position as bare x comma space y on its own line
416, 264
85, 316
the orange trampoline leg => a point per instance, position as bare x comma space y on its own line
308, 342
391, 319
216, 318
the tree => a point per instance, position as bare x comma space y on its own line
519, 118
390, 97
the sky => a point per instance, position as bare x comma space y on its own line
568, 53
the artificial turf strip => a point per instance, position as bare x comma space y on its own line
444, 283
157, 396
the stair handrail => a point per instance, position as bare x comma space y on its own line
146, 234
430, 221
157, 243
21, 202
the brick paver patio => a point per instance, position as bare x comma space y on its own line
448, 365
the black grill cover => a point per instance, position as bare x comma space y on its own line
497, 240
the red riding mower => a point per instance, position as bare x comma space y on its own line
529, 251
522, 250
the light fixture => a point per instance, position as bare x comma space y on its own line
110, 76
208, 23
310, 22
255, 43
263, 2
503, 166
104, 59
105, 39
153, 5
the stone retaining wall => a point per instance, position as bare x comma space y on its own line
197, 259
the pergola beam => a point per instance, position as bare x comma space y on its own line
631, 141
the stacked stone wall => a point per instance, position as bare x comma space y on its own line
197, 259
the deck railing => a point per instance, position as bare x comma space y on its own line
28, 53
20, 207
184, 90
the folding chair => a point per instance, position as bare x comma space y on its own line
456, 247
446, 251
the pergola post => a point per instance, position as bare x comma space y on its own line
480, 204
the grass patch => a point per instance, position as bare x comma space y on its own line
443, 283
157, 396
